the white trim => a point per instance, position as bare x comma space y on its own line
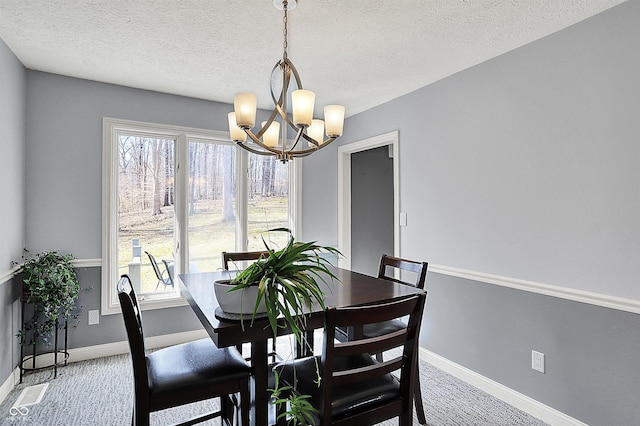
78, 263
8, 385
344, 192
87, 263
118, 348
504, 393
598, 299
6, 277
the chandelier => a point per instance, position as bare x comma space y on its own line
271, 138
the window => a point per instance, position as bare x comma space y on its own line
183, 196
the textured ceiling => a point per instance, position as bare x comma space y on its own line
359, 53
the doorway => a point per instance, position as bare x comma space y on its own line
359, 257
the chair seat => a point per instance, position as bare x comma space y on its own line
347, 398
192, 368
381, 328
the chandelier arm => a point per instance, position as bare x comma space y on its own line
287, 68
255, 151
266, 123
305, 152
295, 141
286, 118
287, 155
311, 141
294, 71
255, 139
279, 101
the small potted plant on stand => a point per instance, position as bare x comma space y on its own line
51, 285
287, 285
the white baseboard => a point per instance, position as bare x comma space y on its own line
8, 384
508, 395
118, 348
109, 349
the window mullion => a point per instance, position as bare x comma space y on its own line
181, 236
242, 199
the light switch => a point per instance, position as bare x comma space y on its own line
403, 219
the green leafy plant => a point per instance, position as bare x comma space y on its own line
50, 283
300, 411
289, 281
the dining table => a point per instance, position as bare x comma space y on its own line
348, 289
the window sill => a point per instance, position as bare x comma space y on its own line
149, 303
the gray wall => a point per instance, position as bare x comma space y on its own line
12, 226
526, 166
371, 208
64, 183
12, 122
64, 146
591, 352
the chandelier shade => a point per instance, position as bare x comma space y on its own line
293, 111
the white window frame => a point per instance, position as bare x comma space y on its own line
111, 128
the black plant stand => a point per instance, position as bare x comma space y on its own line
57, 352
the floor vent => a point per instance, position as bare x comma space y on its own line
31, 395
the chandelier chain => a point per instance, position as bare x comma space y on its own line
284, 31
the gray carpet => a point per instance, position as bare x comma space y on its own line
99, 392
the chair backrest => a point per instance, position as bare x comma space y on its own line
169, 274
154, 264
241, 256
133, 323
389, 263
405, 341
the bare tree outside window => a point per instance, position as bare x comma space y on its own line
146, 196
268, 201
145, 205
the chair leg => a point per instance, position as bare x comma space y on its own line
417, 393
245, 402
140, 418
226, 410
405, 419
417, 396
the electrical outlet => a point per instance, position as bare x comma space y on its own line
94, 317
537, 361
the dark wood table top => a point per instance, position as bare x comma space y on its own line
351, 289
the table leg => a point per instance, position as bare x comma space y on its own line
260, 383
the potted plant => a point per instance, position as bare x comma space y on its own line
288, 283
50, 283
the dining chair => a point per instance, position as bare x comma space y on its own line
241, 256
231, 257
162, 279
355, 387
182, 374
389, 267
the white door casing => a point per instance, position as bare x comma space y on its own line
344, 191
